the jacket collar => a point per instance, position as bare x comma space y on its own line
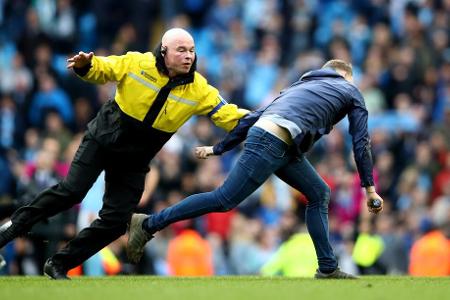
327, 72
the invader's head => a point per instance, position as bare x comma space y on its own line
342, 67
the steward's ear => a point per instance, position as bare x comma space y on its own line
163, 50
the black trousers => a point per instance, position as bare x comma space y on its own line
124, 178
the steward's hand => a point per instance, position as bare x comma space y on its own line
203, 152
80, 60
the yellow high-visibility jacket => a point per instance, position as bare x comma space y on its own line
139, 82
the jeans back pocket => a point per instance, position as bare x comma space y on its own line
275, 149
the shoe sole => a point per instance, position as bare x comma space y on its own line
52, 278
335, 278
48, 276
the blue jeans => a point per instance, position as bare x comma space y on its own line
264, 154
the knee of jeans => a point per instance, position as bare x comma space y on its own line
321, 197
223, 203
325, 195
225, 207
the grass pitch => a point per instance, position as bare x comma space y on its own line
228, 287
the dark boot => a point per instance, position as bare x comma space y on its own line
55, 271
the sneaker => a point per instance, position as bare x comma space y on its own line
137, 238
2, 262
7, 234
336, 274
55, 271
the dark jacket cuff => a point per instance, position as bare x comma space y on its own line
83, 70
218, 149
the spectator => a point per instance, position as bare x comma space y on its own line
50, 96
189, 254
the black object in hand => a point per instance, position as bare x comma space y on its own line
375, 203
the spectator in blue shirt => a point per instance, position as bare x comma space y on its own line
50, 97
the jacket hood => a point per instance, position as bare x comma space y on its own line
327, 72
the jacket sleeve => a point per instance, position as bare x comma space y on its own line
238, 134
361, 141
105, 68
222, 113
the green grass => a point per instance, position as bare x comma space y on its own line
217, 288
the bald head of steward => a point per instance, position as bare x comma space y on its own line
178, 51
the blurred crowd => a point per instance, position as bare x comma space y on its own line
250, 50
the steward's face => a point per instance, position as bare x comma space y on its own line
179, 56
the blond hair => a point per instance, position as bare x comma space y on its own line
339, 64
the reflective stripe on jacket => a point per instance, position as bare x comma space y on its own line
140, 82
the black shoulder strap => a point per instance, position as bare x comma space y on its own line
161, 98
